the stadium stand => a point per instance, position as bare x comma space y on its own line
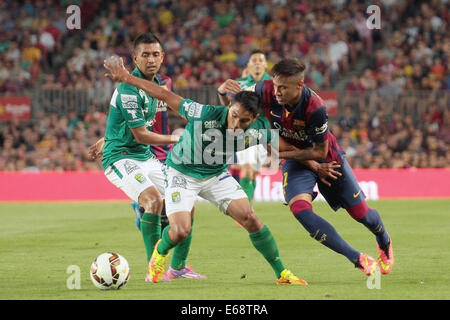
393, 85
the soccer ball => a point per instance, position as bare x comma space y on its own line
110, 271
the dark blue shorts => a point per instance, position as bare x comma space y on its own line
343, 193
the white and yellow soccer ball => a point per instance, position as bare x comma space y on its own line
110, 271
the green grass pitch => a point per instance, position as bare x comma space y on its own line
39, 241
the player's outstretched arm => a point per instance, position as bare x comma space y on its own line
143, 136
119, 73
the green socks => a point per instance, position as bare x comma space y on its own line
248, 185
151, 230
264, 242
166, 244
180, 252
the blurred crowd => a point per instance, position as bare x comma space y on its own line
32, 38
209, 41
51, 142
55, 142
394, 140
414, 57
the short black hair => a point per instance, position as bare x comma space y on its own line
288, 67
249, 100
257, 51
146, 37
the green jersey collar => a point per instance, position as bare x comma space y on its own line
249, 78
137, 73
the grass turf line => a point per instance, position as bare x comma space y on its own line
38, 242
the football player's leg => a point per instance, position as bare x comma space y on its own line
178, 235
131, 177
350, 196
164, 219
138, 212
181, 194
181, 250
262, 239
235, 169
155, 170
247, 179
151, 200
225, 193
248, 161
177, 231
298, 184
156, 173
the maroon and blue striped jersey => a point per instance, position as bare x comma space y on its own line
305, 123
161, 121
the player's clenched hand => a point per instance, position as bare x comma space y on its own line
230, 86
96, 150
117, 70
328, 170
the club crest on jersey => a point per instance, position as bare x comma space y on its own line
140, 178
176, 197
298, 124
247, 141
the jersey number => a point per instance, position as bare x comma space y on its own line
285, 179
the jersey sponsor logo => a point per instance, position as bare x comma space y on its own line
179, 182
322, 129
193, 109
130, 105
212, 124
130, 167
296, 135
161, 106
140, 178
299, 135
